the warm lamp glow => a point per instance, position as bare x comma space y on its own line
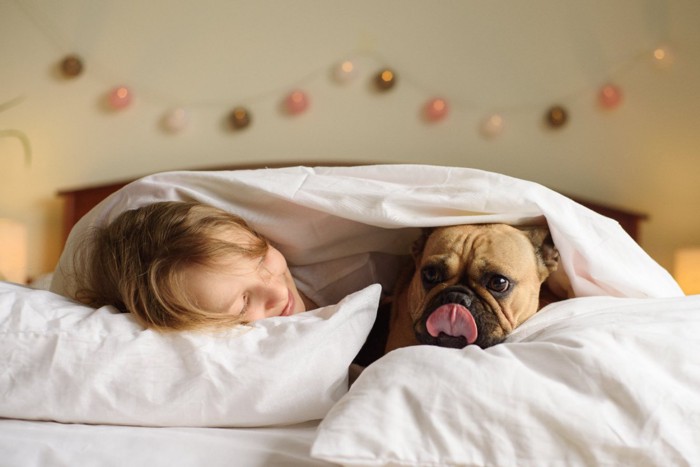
13, 251
686, 269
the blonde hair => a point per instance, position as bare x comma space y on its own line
137, 262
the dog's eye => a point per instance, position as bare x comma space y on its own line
431, 276
498, 284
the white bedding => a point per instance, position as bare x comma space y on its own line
69, 363
610, 377
589, 381
48, 444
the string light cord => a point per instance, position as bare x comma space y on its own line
20, 135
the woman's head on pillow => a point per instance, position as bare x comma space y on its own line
184, 266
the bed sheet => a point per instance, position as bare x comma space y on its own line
48, 444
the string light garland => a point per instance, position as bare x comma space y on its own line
296, 102
346, 71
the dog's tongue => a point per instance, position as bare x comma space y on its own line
454, 320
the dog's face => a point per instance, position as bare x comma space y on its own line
472, 284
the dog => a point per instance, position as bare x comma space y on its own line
472, 285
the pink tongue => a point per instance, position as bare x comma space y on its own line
454, 320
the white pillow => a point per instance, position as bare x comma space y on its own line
70, 363
590, 381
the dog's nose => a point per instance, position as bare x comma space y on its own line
461, 297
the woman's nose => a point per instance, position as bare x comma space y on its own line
274, 299
269, 300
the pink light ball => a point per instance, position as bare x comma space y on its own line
610, 96
120, 97
296, 102
436, 109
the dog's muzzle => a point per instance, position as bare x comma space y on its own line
447, 320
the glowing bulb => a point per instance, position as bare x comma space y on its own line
492, 126
296, 102
71, 66
610, 96
385, 79
120, 97
436, 109
663, 56
239, 118
176, 120
557, 116
345, 72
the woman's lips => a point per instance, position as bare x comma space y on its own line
289, 309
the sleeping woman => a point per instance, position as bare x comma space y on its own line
186, 266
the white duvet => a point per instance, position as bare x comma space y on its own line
591, 381
322, 214
608, 378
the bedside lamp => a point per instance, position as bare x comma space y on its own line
13, 251
686, 269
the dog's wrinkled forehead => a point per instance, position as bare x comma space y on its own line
481, 246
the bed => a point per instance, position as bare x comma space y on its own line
608, 377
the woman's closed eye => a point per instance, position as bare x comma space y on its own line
244, 307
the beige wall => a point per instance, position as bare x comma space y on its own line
514, 57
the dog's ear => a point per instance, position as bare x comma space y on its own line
419, 244
555, 278
544, 246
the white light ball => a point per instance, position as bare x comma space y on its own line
176, 120
345, 72
663, 56
492, 126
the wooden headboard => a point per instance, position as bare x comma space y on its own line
77, 202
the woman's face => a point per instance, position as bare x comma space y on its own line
250, 288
